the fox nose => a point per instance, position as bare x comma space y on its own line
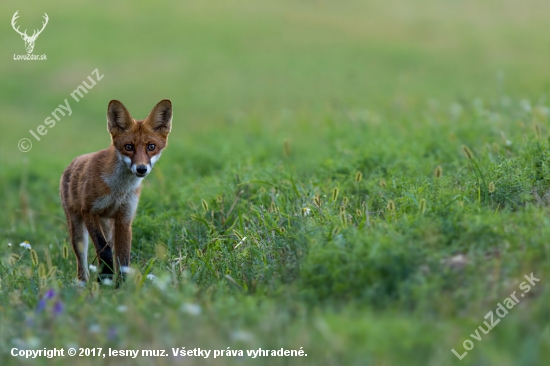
141, 169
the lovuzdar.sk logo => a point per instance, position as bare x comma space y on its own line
29, 40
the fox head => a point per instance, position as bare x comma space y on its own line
139, 143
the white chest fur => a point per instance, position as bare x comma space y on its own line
122, 184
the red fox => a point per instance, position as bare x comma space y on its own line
100, 191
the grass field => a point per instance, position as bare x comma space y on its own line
364, 181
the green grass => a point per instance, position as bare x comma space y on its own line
277, 108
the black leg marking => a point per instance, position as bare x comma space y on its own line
104, 256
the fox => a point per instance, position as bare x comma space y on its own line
100, 191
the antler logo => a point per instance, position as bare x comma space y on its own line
29, 40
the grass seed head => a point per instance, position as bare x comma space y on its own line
334, 194
34, 257
317, 201
391, 206
491, 187
438, 172
343, 216
65, 252
358, 176
13, 259
52, 272
422, 205
286, 148
382, 183
466, 150
204, 205
538, 133
42, 271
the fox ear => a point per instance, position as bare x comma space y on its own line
160, 118
118, 118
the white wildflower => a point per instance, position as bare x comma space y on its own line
192, 309
94, 328
122, 308
33, 342
25, 245
162, 282
19, 343
9, 244
107, 282
151, 276
126, 269
92, 268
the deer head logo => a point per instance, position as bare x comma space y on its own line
29, 40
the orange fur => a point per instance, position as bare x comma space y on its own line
100, 191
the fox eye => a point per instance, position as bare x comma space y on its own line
129, 147
151, 147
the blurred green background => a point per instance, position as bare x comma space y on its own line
217, 60
275, 104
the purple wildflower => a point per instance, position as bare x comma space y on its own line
41, 306
112, 335
49, 294
58, 307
